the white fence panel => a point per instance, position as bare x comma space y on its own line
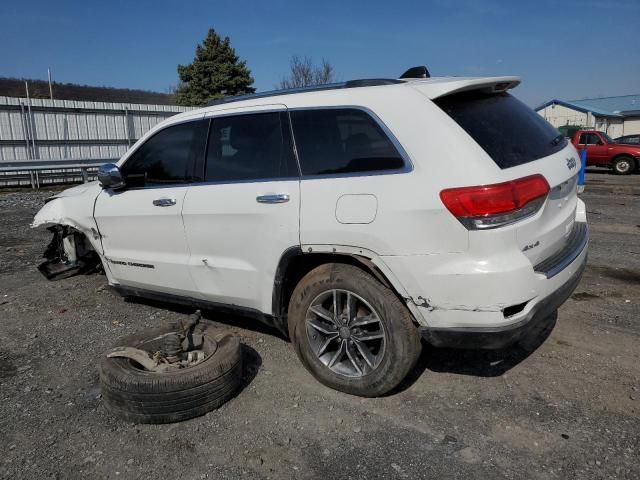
54, 129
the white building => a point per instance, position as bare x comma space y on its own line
616, 116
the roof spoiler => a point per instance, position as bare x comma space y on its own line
439, 87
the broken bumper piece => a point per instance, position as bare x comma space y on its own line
57, 270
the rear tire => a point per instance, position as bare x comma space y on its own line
623, 165
375, 342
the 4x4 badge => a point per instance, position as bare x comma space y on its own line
571, 163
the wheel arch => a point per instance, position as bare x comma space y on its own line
295, 263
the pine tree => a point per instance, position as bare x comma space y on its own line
216, 72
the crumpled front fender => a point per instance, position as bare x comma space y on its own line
73, 209
55, 212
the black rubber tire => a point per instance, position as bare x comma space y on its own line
403, 339
140, 396
623, 160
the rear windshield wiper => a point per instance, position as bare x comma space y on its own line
557, 140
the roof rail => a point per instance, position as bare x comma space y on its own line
371, 82
365, 82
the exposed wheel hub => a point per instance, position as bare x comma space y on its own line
181, 348
345, 333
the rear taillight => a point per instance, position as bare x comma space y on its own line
492, 206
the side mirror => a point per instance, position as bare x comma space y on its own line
109, 176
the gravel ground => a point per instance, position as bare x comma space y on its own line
568, 408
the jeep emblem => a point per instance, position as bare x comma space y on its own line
571, 163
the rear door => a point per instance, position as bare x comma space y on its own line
141, 226
347, 158
521, 143
245, 214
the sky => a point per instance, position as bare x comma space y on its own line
568, 49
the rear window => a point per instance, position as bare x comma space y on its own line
509, 131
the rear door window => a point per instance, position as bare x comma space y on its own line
509, 131
342, 141
250, 147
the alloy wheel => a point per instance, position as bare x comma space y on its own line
345, 333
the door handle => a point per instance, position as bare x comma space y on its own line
273, 198
164, 202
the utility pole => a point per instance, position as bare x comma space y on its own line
50, 87
32, 125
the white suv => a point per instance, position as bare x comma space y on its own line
356, 218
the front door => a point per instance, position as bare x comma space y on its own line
246, 214
141, 226
596, 148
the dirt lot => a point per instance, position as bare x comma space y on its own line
567, 409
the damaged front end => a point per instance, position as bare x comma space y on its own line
75, 246
69, 253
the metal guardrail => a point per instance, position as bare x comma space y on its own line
36, 170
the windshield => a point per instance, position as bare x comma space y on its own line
607, 138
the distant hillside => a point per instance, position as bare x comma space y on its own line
14, 87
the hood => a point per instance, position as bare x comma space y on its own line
626, 148
73, 191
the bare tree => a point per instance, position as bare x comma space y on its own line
303, 73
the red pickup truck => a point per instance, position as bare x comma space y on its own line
602, 151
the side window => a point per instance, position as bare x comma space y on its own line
344, 140
250, 147
165, 158
588, 139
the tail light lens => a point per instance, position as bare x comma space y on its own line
492, 206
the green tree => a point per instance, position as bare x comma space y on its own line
216, 72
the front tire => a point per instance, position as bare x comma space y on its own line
351, 332
141, 396
623, 165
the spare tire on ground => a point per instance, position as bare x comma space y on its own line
171, 373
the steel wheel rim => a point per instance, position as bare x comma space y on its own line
623, 166
350, 343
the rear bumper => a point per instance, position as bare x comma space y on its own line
502, 336
575, 245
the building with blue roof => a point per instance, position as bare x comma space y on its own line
616, 116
